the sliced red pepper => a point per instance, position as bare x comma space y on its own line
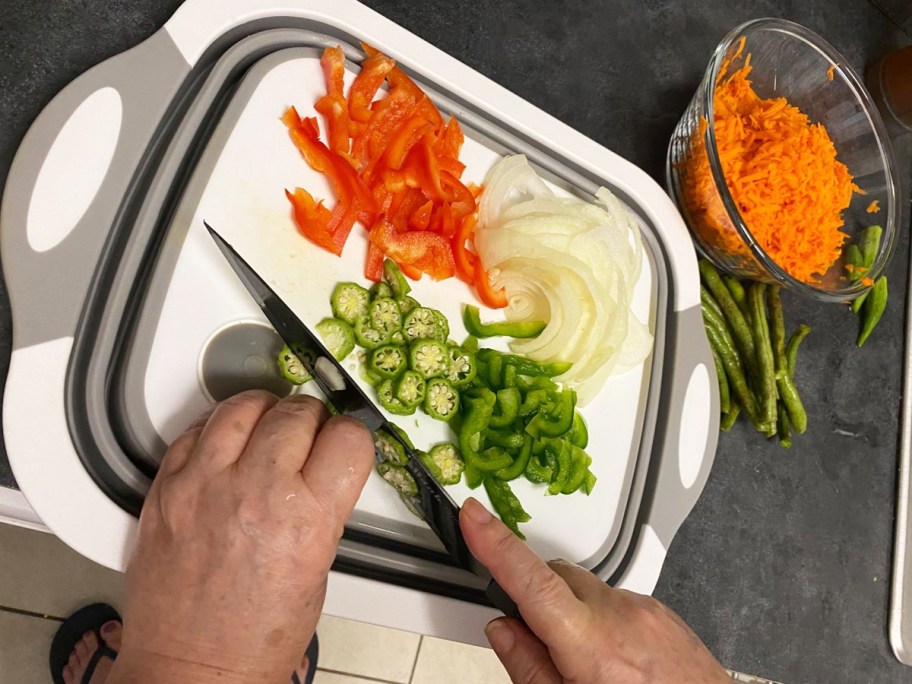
425, 251
397, 77
450, 143
390, 113
422, 216
373, 267
489, 297
412, 273
463, 202
466, 261
333, 105
366, 84
429, 111
312, 219
355, 200
409, 134
452, 166
442, 220
412, 199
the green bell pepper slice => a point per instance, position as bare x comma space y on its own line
471, 318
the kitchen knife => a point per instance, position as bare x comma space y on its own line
433, 503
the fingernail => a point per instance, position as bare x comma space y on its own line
108, 627
500, 635
476, 511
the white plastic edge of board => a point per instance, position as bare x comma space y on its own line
389, 605
45, 463
15, 510
197, 23
645, 566
74, 169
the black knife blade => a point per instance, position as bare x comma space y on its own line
434, 504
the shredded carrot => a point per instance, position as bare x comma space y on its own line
831, 71
867, 282
782, 173
873, 207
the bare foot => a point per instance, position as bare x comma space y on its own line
85, 649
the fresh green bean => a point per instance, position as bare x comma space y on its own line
739, 328
873, 309
729, 418
710, 301
783, 427
737, 292
788, 392
724, 394
791, 353
765, 364
734, 371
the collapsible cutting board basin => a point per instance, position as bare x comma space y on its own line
127, 322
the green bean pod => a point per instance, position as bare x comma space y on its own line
724, 393
734, 371
729, 418
791, 353
783, 427
737, 292
873, 309
765, 363
739, 328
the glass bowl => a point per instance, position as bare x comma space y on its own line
787, 61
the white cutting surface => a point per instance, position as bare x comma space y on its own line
245, 202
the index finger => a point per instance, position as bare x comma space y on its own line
546, 602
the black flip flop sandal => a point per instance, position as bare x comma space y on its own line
313, 652
88, 619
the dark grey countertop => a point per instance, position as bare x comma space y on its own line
783, 566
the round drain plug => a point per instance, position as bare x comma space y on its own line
242, 356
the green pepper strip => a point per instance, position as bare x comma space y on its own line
579, 433
511, 441
534, 383
474, 477
533, 369
471, 317
521, 462
564, 468
537, 472
508, 402
397, 282
495, 368
589, 483
579, 469
558, 425
476, 419
509, 376
506, 504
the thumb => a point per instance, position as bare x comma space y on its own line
525, 658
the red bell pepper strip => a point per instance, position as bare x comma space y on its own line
422, 216
312, 219
366, 84
409, 135
490, 298
333, 105
423, 250
450, 143
373, 267
466, 261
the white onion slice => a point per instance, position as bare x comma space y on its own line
569, 262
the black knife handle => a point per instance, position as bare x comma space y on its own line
502, 601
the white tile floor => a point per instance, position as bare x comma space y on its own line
42, 581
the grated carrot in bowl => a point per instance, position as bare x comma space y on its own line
782, 173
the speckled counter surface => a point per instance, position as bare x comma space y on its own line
783, 566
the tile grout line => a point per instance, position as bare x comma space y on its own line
30, 613
417, 653
349, 675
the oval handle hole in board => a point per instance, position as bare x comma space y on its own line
694, 428
74, 169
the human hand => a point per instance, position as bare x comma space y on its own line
236, 539
580, 629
